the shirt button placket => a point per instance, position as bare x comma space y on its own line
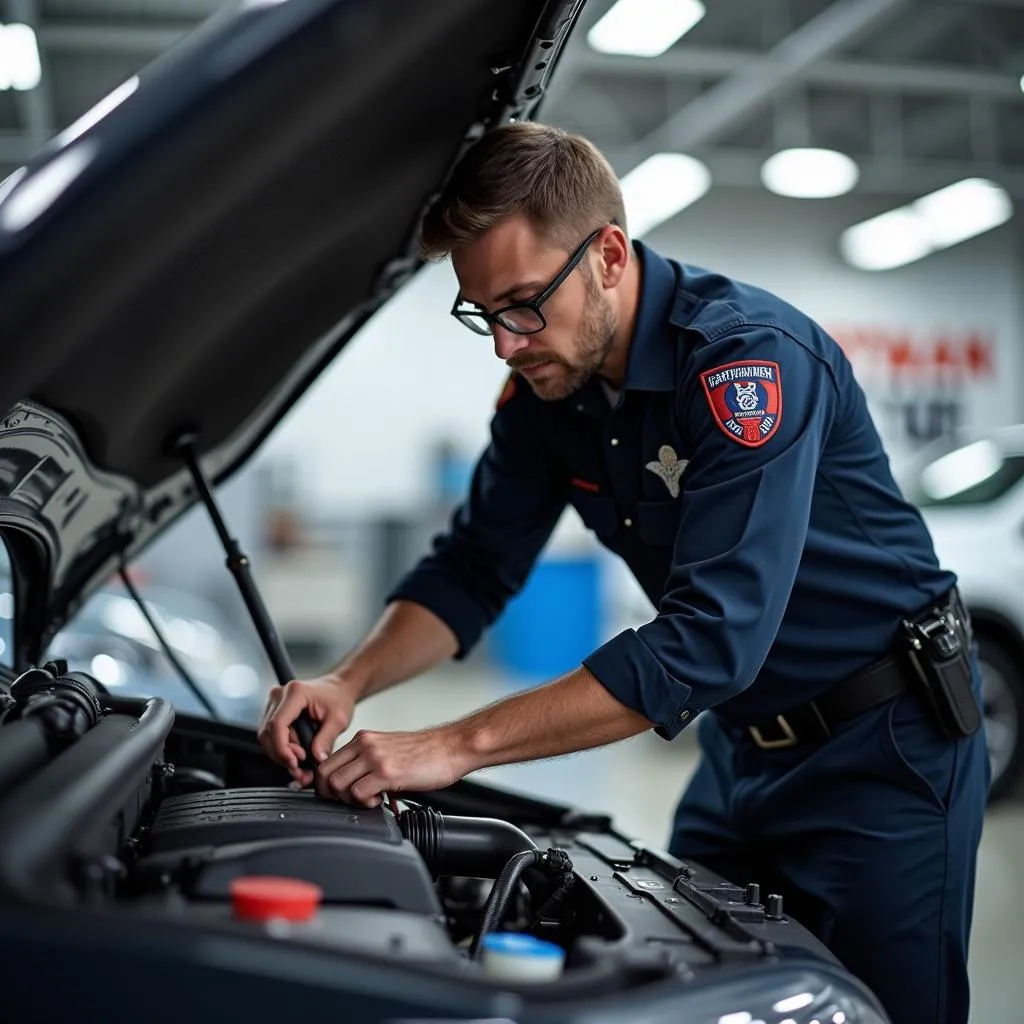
614, 442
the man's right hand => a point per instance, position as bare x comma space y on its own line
329, 702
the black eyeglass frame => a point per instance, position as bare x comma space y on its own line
534, 304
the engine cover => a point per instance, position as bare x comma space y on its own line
226, 816
356, 855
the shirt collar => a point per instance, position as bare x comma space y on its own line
651, 365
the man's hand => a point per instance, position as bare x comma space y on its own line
374, 763
329, 701
573, 713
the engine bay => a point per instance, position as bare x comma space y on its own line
118, 807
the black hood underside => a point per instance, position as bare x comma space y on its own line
241, 213
194, 259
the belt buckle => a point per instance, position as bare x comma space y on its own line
788, 735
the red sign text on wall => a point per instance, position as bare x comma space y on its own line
949, 356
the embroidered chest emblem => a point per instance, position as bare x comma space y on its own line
669, 468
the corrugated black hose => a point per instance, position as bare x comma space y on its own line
561, 865
554, 862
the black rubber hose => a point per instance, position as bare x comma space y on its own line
66, 706
463, 846
501, 893
559, 864
64, 808
24, 747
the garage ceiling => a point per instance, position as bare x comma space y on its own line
920, 92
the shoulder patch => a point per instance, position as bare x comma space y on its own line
746, 400
507, 391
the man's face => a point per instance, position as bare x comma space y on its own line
511, 263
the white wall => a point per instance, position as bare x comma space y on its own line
363, 436
941, 311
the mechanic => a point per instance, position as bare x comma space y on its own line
714, 437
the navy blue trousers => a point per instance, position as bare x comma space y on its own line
871, 837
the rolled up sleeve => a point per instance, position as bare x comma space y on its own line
745, 507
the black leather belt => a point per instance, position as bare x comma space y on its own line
816, 720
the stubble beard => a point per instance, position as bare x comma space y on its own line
593, 342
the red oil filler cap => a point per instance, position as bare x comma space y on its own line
269, 897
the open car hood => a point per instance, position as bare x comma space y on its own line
191, 254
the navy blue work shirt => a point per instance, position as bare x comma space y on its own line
742, 480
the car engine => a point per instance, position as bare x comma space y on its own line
118, 808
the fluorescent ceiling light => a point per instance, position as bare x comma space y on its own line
19, 58
933, 222
961, 211
1022, 83
660, 187
644, 28
886, 241
809, 173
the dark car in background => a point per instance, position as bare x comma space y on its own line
173, 275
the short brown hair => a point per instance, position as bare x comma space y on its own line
559, 181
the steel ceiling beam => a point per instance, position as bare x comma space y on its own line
740, 168
714, 112
680, 61
105, 39
912, 36
881, 176
854, 75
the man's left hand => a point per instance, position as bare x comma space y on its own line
374, 763
573, 713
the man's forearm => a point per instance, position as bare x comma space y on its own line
407, 640
573, 713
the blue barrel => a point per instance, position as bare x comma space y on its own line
553, 623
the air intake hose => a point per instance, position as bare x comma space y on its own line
66, 705
457, 845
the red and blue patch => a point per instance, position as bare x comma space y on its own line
746, 398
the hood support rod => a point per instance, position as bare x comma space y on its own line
238, 565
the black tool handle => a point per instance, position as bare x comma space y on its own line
305, 730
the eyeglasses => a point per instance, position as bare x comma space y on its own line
521, 317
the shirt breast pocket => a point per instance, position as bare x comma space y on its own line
658, 522
597, 512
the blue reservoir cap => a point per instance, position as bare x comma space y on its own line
520, 944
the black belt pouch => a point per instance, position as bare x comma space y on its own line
938, 648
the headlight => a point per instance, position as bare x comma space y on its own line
786, 994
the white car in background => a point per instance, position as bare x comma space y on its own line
971, 494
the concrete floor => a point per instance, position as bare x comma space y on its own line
639, 781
